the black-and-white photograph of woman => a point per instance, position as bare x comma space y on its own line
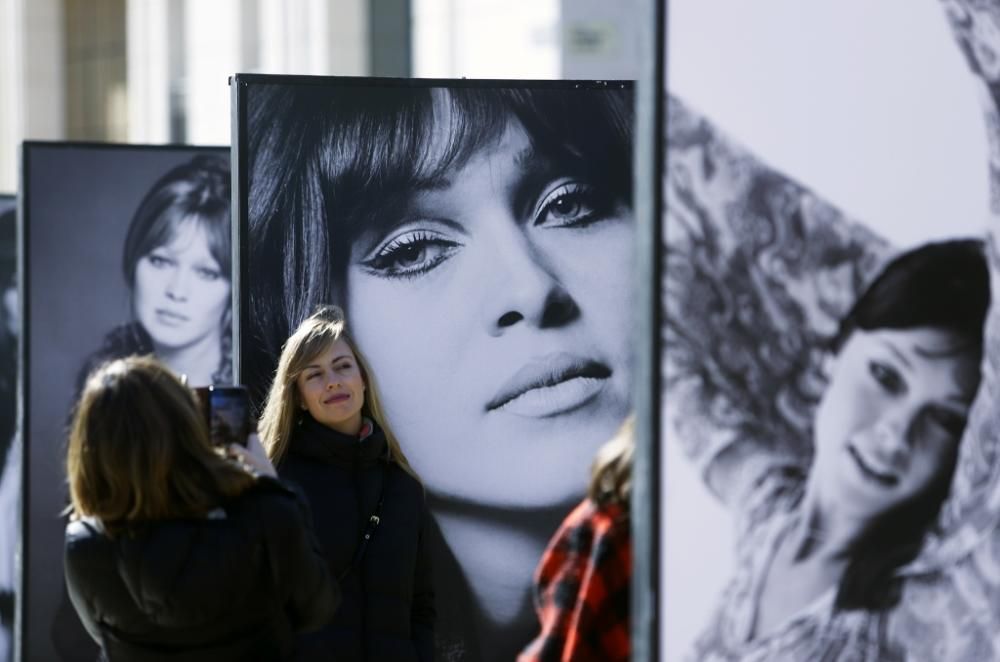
834, 385
176, 263
479, 238
128, 252
10, 456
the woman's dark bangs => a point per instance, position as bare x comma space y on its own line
216, 227
152, 227
943, 285
377, 154
587, 130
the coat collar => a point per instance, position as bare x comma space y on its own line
315, 441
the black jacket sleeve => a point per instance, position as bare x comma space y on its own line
79, 537
423, 613
300, 570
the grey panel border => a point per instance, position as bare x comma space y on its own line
649, 206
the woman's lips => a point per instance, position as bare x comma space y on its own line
552, 385
336, 398
883, 477
170, 317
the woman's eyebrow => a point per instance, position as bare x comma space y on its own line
533, 163
426, 183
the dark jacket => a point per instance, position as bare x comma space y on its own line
236, 585
387, 612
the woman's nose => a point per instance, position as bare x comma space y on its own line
177, 285
524, 287
890, 436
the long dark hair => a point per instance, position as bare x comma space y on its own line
942, 285
327, 162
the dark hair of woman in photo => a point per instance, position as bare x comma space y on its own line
175, 548
176, 263
478, 239
324, 428
583, 582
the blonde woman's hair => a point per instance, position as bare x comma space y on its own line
611, 473
284, 406
139, 449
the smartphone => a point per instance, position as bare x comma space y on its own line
226, 410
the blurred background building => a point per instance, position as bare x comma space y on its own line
155, 71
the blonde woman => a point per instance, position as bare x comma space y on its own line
324, 429
173, 547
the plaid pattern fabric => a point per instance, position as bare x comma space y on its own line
582, 588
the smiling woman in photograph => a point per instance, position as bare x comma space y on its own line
820, 546
479, 240
176, 264
839, 397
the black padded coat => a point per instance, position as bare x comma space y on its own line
236, 585
387, 611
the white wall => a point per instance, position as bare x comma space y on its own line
486, 38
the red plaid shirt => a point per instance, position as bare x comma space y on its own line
582, 589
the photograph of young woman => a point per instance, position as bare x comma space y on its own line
479, 239
838, 396
10, 454
176, 263
126, 252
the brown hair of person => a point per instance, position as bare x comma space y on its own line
139, 449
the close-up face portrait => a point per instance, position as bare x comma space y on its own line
495, 307
480, 241
181, 293
888, 426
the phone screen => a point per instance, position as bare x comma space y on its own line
227, 413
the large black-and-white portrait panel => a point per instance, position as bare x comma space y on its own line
10, 465
830, 346
479, 236
127, 251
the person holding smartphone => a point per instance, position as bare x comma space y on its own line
177, 548
324, 428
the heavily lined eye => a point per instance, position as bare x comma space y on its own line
571, 204
887, 377
410, 254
